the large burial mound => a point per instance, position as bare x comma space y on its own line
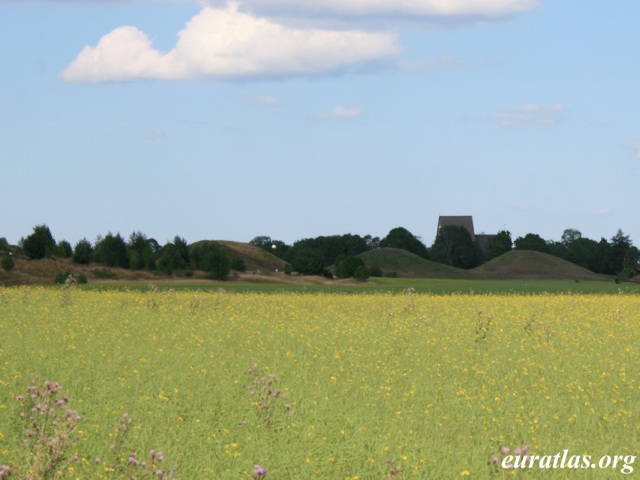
534, 265
404, 264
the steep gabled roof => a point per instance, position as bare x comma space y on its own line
465, 221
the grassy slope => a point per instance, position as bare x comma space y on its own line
408, 265
534, 265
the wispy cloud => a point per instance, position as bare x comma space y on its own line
226, 43
267, 100
342, 112
529, 114
602, 211
634, 148
424, 8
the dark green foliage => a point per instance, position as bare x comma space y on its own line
275, 247
39, 244
307, 261
63, 249
498, 245
208, 256
238, 264
361, 273
4, 245
82, 278
83, 252
174, 256
112, 251
569, 236
61, 277
532, 241
143, 251
402, 238
327, 248
583, 252
217, 264
620, 243
346, 266
375, 271
288, 269
631, 266
7, 262
454, 246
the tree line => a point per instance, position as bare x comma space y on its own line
313, 256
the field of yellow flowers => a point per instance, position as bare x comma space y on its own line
321, 386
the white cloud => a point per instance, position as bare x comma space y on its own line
225, 43
426, 8
602, 211
268, 100
342, 112
634, 148
529, 114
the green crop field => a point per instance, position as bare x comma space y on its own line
391, 384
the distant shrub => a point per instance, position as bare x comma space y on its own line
288, 269
82, 278
375, 271
361, 273
83, 253
238, 264
61, 277
63, 249
7, 263
391, 275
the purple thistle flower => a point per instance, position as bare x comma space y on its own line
259, 471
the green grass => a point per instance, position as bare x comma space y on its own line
398, 285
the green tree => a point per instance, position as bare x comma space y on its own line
63, 249
39, 244
454, 246
208, 256
7, 262
143, 251
631, 263
620, 243
583, 252
346, 266
361, 273
112, 251
402, 238
308, 261
498, 245
532, 241
83, 252
569, 236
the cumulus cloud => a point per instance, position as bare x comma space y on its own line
226, 43
342, 112
425, 8
529, 114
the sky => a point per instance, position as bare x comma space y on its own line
295, 119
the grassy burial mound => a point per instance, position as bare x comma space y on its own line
534, 265
256, 259
404, 264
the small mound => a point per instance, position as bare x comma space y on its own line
255, 258
404, 264
530, 264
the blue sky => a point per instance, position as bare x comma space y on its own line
214, 120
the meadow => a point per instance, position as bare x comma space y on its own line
286, 385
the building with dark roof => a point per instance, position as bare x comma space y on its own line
465, 221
